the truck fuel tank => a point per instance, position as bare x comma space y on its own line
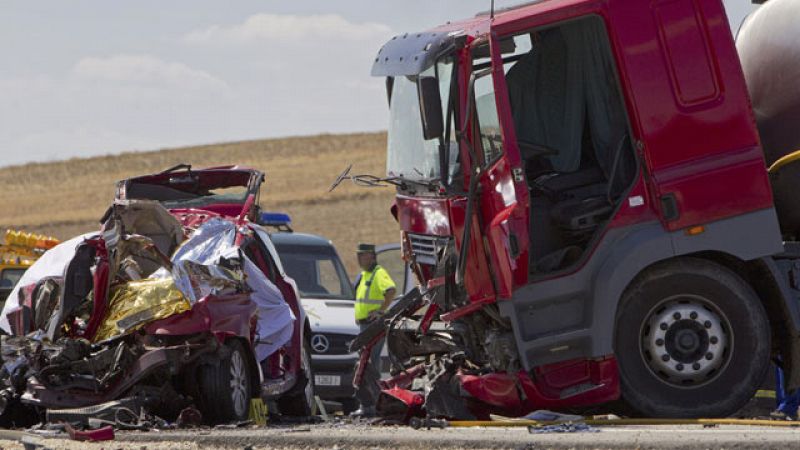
769, 49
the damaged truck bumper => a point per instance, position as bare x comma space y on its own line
434, 377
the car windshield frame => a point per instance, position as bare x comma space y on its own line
202, 201
193, 189
288, 251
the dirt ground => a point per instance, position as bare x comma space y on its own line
349, 436
67, 198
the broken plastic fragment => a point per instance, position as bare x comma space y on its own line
101, 434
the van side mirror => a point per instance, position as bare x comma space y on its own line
430, 105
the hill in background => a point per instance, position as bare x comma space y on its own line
67, 198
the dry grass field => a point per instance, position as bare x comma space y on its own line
66, 198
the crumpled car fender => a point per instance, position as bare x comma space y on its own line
231, 315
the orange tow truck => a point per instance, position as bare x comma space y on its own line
17, 252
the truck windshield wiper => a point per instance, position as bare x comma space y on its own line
375, 181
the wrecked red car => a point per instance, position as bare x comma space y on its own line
180, 299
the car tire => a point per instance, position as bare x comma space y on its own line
299, 401
692, 340
226, 388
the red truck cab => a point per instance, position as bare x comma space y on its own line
584, 198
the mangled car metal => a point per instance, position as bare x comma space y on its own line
179, 299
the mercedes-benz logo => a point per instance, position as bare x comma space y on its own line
320, 343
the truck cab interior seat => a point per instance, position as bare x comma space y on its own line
573, 136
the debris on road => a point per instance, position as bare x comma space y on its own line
189, 417
563, 428
427, 423
543, 415
101, 434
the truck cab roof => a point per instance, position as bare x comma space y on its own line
412, 53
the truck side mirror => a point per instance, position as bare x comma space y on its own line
430, 105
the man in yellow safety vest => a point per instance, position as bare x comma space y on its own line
375, 291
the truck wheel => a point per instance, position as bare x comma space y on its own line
299, 401
226, 388
692, 340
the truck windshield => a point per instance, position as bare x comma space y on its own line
411, 156
317, 270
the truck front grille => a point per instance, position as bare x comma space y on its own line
426, 248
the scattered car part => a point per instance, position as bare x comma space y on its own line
105, 411
189, 417
417, 423
101, 434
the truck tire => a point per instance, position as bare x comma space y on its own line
226, 388
692, 340
299, 401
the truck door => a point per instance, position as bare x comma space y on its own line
504, 198
700, 143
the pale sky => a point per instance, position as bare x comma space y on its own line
94, 77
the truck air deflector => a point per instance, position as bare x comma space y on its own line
412, 53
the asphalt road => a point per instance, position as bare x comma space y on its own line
348, 436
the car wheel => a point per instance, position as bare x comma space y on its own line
299, 401
692, 340
226, 388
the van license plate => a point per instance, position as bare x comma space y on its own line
327, 380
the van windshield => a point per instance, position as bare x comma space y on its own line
317, 270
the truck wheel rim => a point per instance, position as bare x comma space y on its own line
686, 342
238, 384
